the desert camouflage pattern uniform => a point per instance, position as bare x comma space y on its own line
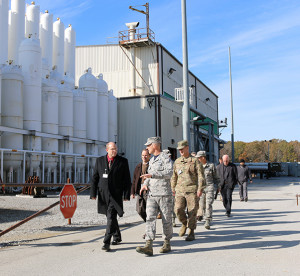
206, 200
159, 196
187, 179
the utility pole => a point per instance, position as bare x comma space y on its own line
232, 128
186, 103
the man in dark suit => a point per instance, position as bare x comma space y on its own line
140, 169
228, 179
111, 183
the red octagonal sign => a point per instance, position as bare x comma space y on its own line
68, 201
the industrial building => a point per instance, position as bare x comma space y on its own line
49, 128
147, 80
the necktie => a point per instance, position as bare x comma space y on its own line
109, 164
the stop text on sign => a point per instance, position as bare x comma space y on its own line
68, 201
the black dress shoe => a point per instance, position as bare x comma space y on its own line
106, 247
228, 214
115, 242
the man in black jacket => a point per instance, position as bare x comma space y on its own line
244, 174
140, 169
228, 179
111, 183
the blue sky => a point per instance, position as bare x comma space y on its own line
264, 37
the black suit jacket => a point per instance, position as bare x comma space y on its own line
113, 188
228, 177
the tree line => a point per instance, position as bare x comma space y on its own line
274, 150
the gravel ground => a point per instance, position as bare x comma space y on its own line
14, 209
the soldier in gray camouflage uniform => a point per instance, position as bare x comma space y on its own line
187, 182
212, 182
159, 196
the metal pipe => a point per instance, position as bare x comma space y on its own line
186, 103
88, 169
232, 127
75, 169
60, 169
43, 172
2, 164
24, 165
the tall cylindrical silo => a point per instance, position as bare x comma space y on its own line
69, 51
16, 30
50, 125
79, 130
31, 62
102, 113
3, 31
49, 113
88, 83
58, 46
32, 21
46, 38
65, 120
12, 113
112, 117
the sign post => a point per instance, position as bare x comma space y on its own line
68, 201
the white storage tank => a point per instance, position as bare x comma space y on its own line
49, 113
69, 50
30, 60
65, 120
16, 28
46, 38
79, 119
12, 116
32, 21
102, 113
58, 46
88, 83
112, 117
3, 31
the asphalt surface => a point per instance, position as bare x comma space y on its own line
261, 238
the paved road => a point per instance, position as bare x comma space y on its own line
261, 238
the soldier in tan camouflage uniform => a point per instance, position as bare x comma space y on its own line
187, 182
159, 198
212, 181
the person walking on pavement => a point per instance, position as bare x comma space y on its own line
187, 183
228, 179
140, 169
157, 183
244, 174
111, 183
212, 180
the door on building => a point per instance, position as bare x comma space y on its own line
173, 152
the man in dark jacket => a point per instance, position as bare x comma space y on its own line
228, 179
111, 183
244, 175
140, 169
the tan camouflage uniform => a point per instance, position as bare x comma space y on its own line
187, 179
206, 200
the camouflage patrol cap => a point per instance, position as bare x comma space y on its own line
155, 140
201, 153
182, 144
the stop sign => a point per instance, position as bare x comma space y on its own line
68, 201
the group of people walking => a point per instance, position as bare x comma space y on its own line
185, 188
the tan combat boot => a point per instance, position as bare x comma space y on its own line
166, 247
147, 249
182, 230
191, 235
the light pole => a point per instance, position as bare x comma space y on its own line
232, 129
269, 141
186, 103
